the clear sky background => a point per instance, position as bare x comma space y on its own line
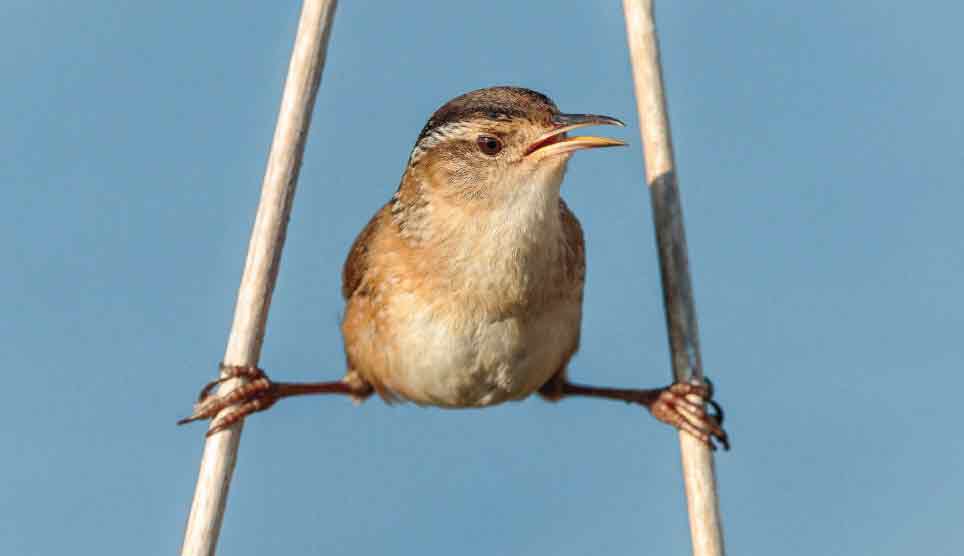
819, 146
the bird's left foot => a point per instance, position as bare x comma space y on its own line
682, 406
679, 405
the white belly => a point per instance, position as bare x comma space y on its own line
457, 360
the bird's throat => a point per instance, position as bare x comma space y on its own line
505, 252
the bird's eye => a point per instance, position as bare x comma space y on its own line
489, 145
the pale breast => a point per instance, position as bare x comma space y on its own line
465, 312
453, 359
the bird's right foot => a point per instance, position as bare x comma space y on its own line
256, 394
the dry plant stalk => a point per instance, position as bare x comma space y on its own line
697, 459
261, 266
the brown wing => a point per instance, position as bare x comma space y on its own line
357, 262
575, 263
576, 247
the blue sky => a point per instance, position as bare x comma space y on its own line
819, 147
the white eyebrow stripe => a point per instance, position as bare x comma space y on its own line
435, 137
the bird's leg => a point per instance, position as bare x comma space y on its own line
672, 405
258, 393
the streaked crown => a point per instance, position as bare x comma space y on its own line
493, 103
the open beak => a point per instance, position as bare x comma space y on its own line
556, 142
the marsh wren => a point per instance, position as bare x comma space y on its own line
465, 289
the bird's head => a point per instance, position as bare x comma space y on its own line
489, 144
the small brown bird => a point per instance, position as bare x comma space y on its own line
465, 289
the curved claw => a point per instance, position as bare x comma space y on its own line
674, 407
206, 391
257, 402
717, 411
253, 395
227, 373
710, 388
